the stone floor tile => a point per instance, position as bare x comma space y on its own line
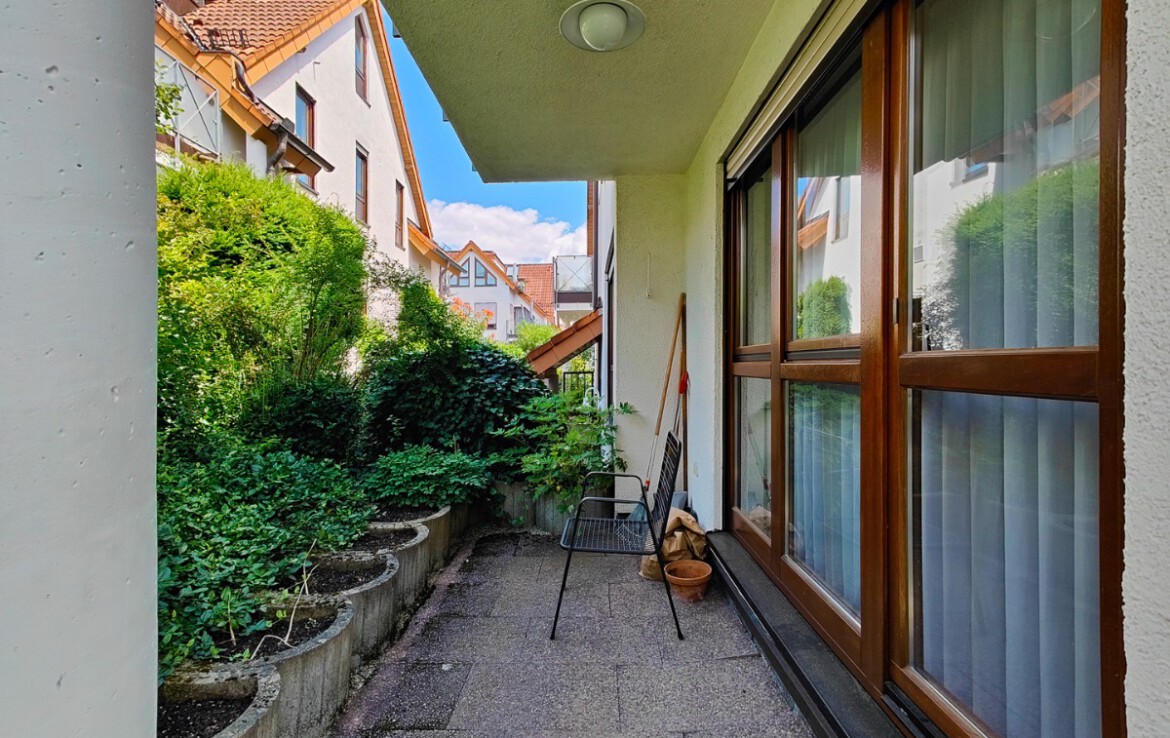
461, 639
548, 697
733, 697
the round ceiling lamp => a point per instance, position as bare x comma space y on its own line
602, 25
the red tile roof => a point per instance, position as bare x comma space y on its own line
538, 284
263, 22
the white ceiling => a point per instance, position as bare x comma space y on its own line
529, 106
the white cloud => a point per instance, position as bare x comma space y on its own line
516, 235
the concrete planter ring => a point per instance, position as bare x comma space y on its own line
375, 603
314, 676
262, 685
688, 579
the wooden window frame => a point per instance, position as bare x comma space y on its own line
361, 59
362, 193
308, 180
880, 360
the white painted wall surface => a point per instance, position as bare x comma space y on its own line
650, 277
679, 222
1147, 370
77, 296
343, 119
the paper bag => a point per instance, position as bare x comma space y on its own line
684, 539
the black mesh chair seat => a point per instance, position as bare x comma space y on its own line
608, 535
616, 535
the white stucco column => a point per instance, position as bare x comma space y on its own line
1147, 368
77, 370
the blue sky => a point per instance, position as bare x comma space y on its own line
522, 221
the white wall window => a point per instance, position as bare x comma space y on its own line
487, 311
483, 276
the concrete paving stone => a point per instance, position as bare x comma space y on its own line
595, 640
733, 697
452, 638
469, 599
709, 641
422, 695
538, 598
543, 699
538, 545
788, 726
595, 568
501, 570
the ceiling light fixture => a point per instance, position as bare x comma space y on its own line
602, 25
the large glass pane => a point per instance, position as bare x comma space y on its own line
827, 244
1004, 194
1005, 542
754, 493
824, 497
756, 258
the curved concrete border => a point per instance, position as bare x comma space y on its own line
262, 685
438, 540
314, 676
375, 603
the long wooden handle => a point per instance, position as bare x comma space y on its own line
682, 301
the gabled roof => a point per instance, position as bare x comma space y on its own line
219, 70
265, 33
493, 262
538, 284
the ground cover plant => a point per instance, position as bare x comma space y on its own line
421, 476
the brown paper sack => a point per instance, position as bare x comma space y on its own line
684, 539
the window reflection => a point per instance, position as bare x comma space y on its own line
827, 244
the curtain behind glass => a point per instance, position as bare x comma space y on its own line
1005, 190
757, 264
1006, 500
824, 499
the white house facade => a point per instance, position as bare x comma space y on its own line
481, 285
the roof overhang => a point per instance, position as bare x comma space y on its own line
529, 106
570, 342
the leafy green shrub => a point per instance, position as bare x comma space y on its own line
237, 525
823, 309
256, 281
557, 440
320, 418
449, 396
421, 476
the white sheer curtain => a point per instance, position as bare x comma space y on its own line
1006, 556
825, 494
1008, 616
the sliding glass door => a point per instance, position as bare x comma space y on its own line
924, 342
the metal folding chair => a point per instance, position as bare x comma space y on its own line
625, 535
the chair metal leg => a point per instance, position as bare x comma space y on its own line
669, 597
561, 596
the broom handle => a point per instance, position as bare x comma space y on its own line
682, 299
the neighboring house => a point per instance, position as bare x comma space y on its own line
898, 227
305, 88
536, 281
483, 286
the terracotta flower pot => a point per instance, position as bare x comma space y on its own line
688, 579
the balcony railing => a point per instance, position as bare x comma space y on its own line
198, 126
573, 279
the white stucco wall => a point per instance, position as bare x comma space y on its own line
650, 276
1147, 370
606, 214
679, 222
77, 295
343, 119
